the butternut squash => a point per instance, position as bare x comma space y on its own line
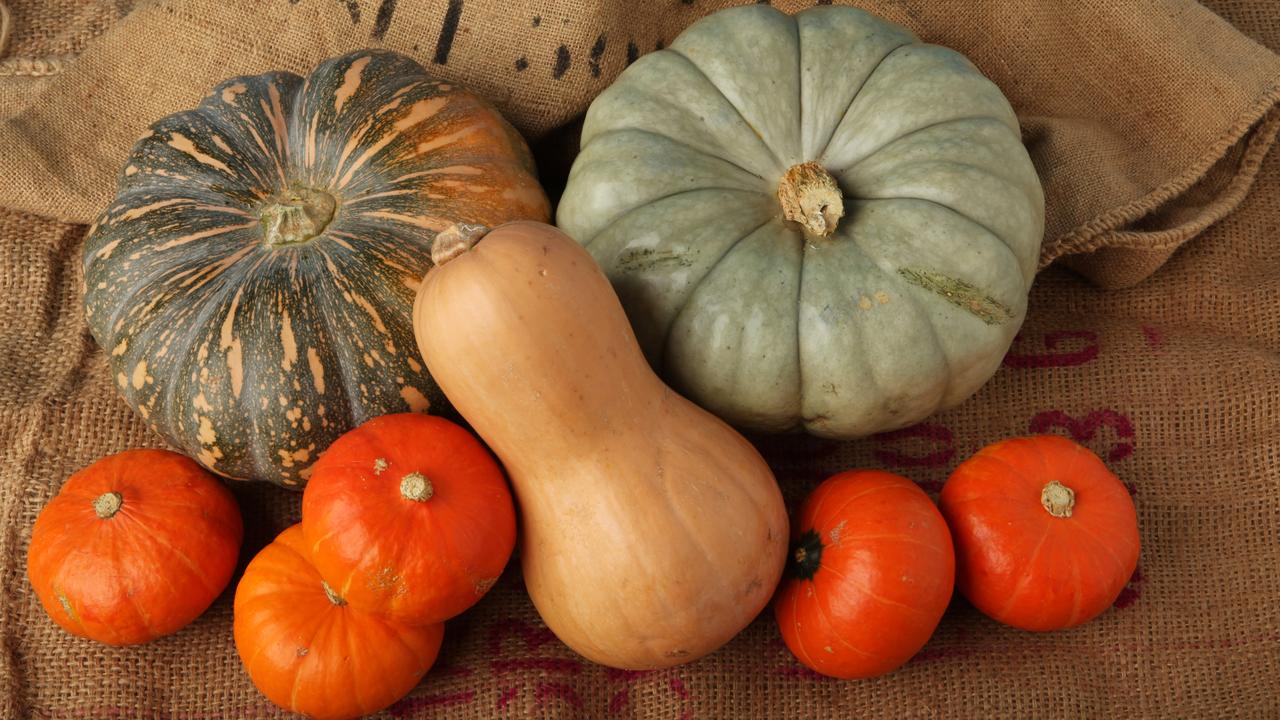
651, 531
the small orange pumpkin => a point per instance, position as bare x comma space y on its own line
310, 652
872, 570
133, 547
1046, 536
408, 515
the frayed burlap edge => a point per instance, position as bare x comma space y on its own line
1260, 123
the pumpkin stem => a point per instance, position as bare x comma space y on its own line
806, 556
108, 504
296, 217
811, 197
455, 240
333, 596
1058, 499
415, 486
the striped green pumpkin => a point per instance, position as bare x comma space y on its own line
252, 280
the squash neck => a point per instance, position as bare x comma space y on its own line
296, 217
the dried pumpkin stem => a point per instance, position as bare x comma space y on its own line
1058, 499
296, 217
811, 197
415, 486
455, 240
108, 504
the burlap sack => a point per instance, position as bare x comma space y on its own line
1175, 382
1146, 121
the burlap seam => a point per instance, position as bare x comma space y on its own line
1101, 232
34, 67
1264, 137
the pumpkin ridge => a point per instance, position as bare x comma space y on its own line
853, 99
717, 188
712, 267
690, 148
777, 158
1025, 581
923, 128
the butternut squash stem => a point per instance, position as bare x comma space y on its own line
108, 504
1058, 499
455, 240
416, 487
811, 197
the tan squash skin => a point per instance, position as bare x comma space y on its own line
651, 532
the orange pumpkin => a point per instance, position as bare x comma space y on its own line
871, 572
133, 547
408, 515
1046, 536
310, 652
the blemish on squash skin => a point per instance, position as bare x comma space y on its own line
483, 585
65, 602
964, 295
834, 534
379, 466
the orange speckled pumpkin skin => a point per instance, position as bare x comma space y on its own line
1023, 565
253, 278
872, 571
310, 652
134, 547
409, 515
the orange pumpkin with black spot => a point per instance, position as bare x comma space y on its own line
134, 547
253, 278
409, 516
872, 571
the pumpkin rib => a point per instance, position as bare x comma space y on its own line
907, 291
685, 145
872, 594
195, 568
1003, 241
910, 133
1077, 592
854, 98
711, 268
745, 121
1084, 528
825, 614
896, 538
346, 355
622, 216
800, 638
1025, 581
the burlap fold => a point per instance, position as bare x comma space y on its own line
1175, 382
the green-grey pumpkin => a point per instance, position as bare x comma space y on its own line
813, 222
252, 280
